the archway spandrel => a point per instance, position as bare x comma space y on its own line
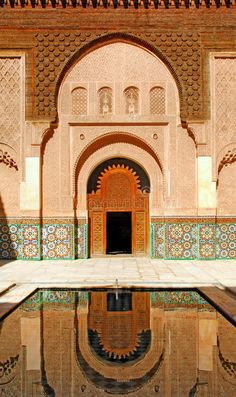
179, 52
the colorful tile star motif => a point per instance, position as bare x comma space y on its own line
226, 241
10, 241
182, 241
158, 240
81, 241
206, 241
30, 236
58, 241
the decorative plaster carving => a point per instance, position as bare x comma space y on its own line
6, 159
121, 150
227, 156
180, 51
224, 106
11, 100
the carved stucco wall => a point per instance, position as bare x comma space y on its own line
224, 121
11, 119
117, 65
179, 50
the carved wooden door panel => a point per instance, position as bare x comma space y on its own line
118, 191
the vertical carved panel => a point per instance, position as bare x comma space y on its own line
79, 101
131, 100
105, 101
157, 100
97, 229
140, 231
225, 105
11, 100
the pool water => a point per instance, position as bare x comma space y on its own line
94, 343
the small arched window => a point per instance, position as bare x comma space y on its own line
157, 100
105, 100
79, 101
131, 100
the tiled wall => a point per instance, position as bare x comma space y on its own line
53, 239
170, 239
193, 239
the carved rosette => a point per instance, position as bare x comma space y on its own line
180, 51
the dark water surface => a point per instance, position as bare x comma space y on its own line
94, 343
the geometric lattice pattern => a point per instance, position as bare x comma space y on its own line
30, 236
157, 100
11, 101
207, 241
181, 241
168, 240
193, 240
225, 104
226, 241
79, 101
58, 241
10, 241
19, 241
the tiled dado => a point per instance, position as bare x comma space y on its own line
50, 240
19, 241
193, 238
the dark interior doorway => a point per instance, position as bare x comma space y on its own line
119, 233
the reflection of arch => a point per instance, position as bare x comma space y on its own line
133, 377
111, 38
107, 140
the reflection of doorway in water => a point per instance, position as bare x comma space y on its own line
119, 233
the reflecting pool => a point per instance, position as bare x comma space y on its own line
71, 343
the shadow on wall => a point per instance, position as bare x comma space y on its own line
8, 238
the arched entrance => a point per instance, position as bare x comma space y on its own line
118, 204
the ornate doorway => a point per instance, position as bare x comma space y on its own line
118, 209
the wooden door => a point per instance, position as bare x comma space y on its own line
118, 189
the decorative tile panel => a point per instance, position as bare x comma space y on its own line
206, 241
58, 241
226, 241
30, 242
81, 249
10, 241
158, 240
182, 241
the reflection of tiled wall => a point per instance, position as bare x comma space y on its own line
193, 238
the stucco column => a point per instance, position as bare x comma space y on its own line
206, 187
